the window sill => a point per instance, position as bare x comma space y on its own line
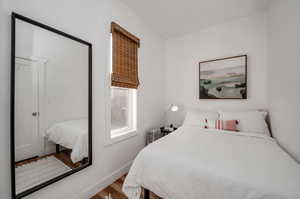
124, 135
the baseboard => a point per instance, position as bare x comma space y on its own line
104, 182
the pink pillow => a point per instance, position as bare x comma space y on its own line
228, 125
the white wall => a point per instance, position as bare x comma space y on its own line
241, 36
25, 42
89, 20
284, 70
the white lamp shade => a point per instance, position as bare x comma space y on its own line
174, 108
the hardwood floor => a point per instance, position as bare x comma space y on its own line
115, 189
63, 156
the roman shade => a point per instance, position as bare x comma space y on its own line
124, 58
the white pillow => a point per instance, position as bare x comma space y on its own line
197, 118
249, 121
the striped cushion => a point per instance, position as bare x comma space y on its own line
229, 125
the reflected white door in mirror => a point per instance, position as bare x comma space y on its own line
26, 128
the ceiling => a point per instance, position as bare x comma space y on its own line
172, 18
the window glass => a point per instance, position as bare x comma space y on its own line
120, 108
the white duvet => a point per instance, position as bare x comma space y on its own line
72, 134
194, 163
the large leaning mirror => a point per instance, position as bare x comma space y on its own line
51, 119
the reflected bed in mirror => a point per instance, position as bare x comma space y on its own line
51, 130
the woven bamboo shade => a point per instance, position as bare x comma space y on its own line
124, 58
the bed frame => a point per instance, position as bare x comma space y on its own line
146, 194
57, 151
57, 148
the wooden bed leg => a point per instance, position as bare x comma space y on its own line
146, 194
57, 148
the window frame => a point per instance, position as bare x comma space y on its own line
121, 135
131, 127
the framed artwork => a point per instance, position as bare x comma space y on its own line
224, 78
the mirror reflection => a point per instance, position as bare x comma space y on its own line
51, 105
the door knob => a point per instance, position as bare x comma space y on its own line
34, 114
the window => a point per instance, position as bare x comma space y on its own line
124, 81
123, 110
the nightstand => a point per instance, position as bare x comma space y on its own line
155, 134
167, 130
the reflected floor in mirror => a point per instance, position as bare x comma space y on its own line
34, 171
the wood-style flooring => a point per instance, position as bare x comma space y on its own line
63, 156
115, 189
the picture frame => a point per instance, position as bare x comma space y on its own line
223, 78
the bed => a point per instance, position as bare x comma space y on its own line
71, 134
193, 163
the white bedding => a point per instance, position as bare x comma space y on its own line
72, 134
194, 163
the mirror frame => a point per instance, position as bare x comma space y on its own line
15, 16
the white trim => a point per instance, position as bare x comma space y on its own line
121, 137
118, 135
120, 131
104, 182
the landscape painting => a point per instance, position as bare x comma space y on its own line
224, 78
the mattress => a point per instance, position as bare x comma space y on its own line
198, 163
72, 134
